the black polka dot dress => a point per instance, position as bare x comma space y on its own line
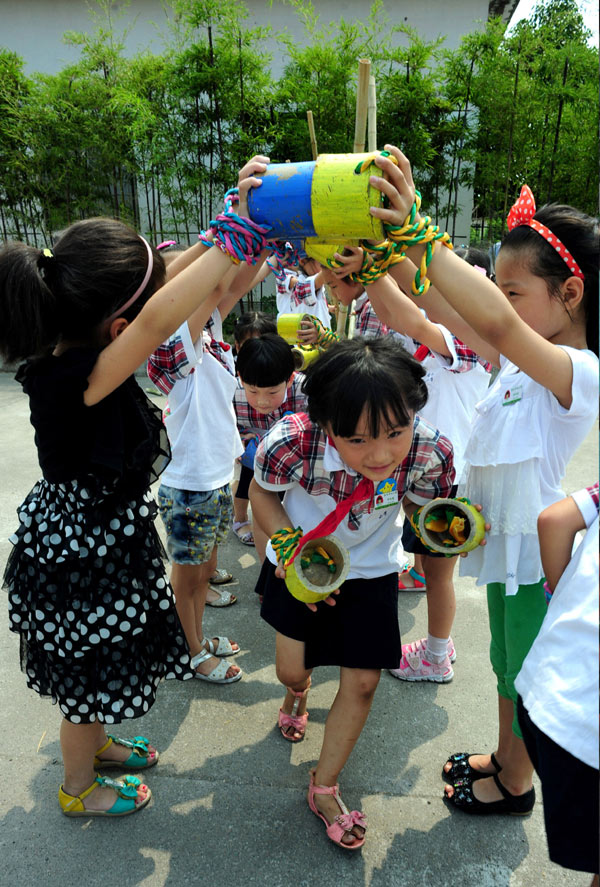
86, 581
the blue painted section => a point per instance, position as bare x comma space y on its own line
283, 201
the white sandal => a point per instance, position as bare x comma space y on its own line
225, 599
246, 537
217, 675
223, 647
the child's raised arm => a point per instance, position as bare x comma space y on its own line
166, 310
477, 299
394, 308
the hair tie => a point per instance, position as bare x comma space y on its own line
141, 287
522, 213
166, 243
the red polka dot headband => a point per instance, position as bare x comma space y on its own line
522, 213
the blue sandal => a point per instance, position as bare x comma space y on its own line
127, 795
139, 759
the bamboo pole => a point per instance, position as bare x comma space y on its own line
362, 104
360, 127
372, 116
313, 135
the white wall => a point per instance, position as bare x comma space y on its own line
34, 29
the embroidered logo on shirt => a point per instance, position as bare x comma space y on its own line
512, 395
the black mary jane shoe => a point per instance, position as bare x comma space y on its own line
514, 805
461, 769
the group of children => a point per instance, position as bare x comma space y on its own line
406, 406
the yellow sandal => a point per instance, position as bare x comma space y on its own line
127, 795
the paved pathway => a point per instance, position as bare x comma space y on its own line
228, 803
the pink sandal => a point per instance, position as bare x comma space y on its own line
298, 722
344, 822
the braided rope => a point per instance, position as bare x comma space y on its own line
240, 238
285, 543
412, 232
368, 161
377, 260
231, 197
325, 337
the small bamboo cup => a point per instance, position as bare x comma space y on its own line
474, 526
304, 356
288, 326
321, 582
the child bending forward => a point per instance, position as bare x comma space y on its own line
361, 444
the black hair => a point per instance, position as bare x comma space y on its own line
265, 361
253, 323
475, 256
373, 374
93, 268
579, 233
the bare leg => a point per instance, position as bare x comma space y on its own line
345, 722
441, 600
289, 659
190, 585
505, 736
240, 509
79, 743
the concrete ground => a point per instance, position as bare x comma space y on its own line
229, 794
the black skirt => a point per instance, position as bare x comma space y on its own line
89, 597
361, 631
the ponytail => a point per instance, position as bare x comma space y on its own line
29, 316
96, 267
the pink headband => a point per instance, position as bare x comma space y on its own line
141, 287
522, 213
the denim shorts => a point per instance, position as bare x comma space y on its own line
195, 521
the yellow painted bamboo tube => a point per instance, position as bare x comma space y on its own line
323, 582
442, 541
341, 199
288, 326
304, 355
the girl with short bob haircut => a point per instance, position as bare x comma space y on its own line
361, 436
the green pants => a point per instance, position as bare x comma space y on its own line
514, 624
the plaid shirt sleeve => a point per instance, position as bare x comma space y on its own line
242, 409
278, 463
168, 364
367, 322
432, 464
301, 292
587, 502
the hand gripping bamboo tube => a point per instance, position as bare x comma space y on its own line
451, 526
288, 326
316, 581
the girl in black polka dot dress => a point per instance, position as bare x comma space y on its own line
86, 583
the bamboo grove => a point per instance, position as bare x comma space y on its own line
156, 139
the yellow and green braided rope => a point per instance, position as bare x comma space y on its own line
285, 543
